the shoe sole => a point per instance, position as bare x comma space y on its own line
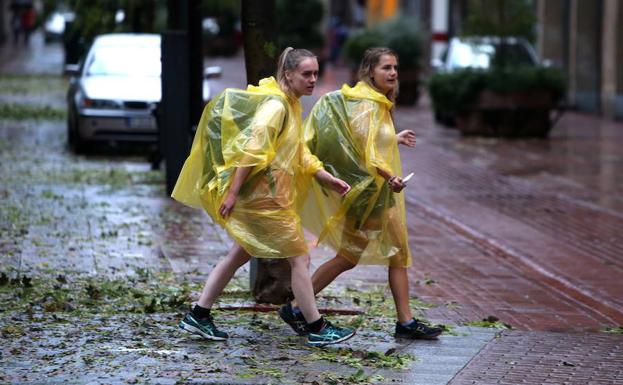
407, 337
194, 330
324, 343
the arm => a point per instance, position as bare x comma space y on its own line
395, 182
380, 145
406, 138
335, 183
240, 174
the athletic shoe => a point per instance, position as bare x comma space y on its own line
329, 334
295, 320
203, 327
417, 331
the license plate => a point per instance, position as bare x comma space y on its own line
139, 122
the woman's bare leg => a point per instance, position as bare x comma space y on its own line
327, 273
222, 273
399, 285
302, 288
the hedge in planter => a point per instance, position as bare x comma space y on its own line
511, 102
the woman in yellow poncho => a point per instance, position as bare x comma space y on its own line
351, 131
246, 168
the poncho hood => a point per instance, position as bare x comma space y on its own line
364, 91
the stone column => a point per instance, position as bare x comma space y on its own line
587, 57
619, 62
609, 57
551, 39
573, 37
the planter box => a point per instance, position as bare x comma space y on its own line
515, 114
409, 91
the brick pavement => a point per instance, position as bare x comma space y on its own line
547, 358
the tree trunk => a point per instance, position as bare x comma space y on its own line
259, 38
270, 278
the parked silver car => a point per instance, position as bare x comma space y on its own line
480, 52
115, 90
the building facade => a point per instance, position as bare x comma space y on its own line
584, 38
580, 36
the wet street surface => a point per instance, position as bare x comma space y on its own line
98, 265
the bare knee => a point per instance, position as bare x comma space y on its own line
300, 262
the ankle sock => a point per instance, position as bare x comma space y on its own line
409, 323
317, 325
200, 312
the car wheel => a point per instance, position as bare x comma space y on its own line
76, 143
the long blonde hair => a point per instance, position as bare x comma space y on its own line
371, 59
289, 59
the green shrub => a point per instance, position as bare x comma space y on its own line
401, 34
457, 91
298, 24
356, 44
500, 18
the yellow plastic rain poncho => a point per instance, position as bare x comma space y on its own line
260, 127
352, 133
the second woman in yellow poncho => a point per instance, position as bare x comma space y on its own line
247, 166
351, 131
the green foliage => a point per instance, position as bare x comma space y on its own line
33, 85
298, 24
365, 358
357, 43
613, 330
98, 16
490, 322
16, 111
218, 7
18, 91
457, 91
500, 18
401, 34
159, 292
93, 18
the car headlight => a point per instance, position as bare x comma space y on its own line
101, 103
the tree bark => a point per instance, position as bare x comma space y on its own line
259, 38
270, 278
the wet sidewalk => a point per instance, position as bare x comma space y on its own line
524, 231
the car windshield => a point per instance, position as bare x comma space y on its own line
484, 55
125, 61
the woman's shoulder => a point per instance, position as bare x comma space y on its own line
275, 104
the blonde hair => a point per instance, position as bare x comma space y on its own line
289, 60
371, 59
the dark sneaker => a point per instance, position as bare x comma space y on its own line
417, 331
329, 334
202, 327
295, 320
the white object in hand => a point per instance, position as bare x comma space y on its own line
406, 178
